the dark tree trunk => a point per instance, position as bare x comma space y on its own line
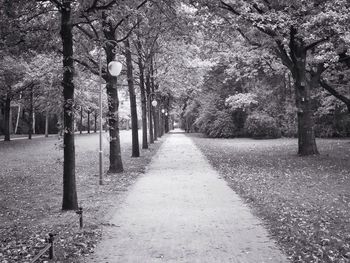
167, 123
133, 105
156, 123
81, 121
88, 121
95, 121
155, 110
143, 100
31, 111
7, 110
306, 134
150, 108
70, 200
115, 158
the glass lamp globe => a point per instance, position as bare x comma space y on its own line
154, 103
163, 110
114, 68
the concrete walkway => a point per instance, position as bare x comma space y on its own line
182, 211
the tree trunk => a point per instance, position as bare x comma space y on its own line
18, 112
7, 123
115, 158
88, 121
306, 134
150, 108
95, 122
81, 120
31, 112
143, 100
156, 123
47, 123
70, 200
133, 105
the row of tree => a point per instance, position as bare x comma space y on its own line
82, 34
228, 68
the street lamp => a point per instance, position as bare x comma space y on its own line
114, 68
153, 103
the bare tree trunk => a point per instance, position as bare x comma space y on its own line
70, 199
306, 133
81, 120
115, 158
7, 117
150, 109
143, 100
95, 121
133, 105
31, 112
47, 115
88, 121
18, 112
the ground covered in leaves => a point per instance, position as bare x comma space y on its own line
31, 196
305, 201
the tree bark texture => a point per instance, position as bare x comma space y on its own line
88, 121
81, 120
115, 158
70, 200
133, 105
31, 113
95, 121
7, 110
150, 109
306, 134
143, 101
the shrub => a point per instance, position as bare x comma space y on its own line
261, 125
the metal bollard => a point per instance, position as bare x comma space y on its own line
80, 213
52, 249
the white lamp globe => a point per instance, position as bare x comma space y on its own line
154, 103
114, 68
166, 114
163, 110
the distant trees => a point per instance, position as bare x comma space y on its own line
308, 38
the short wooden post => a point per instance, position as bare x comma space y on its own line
52, 249
80, 213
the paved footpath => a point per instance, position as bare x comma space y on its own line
182, 211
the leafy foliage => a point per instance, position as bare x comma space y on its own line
261, 125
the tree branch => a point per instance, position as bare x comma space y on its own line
314, 44
229, 8
335, 93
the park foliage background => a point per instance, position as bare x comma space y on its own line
234, 68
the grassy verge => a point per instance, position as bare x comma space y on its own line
31, 195
304, 201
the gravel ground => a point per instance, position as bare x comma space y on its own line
31, 195
304, 201
182, 211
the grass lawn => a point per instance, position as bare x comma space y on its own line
31, 195
304, 201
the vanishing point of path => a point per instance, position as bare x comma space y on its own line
182, 211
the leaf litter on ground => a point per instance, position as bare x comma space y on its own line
304, 201
31, 196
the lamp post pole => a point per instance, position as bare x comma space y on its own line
114, 68
150, 104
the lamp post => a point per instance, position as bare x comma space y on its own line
153, 103
114, 68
